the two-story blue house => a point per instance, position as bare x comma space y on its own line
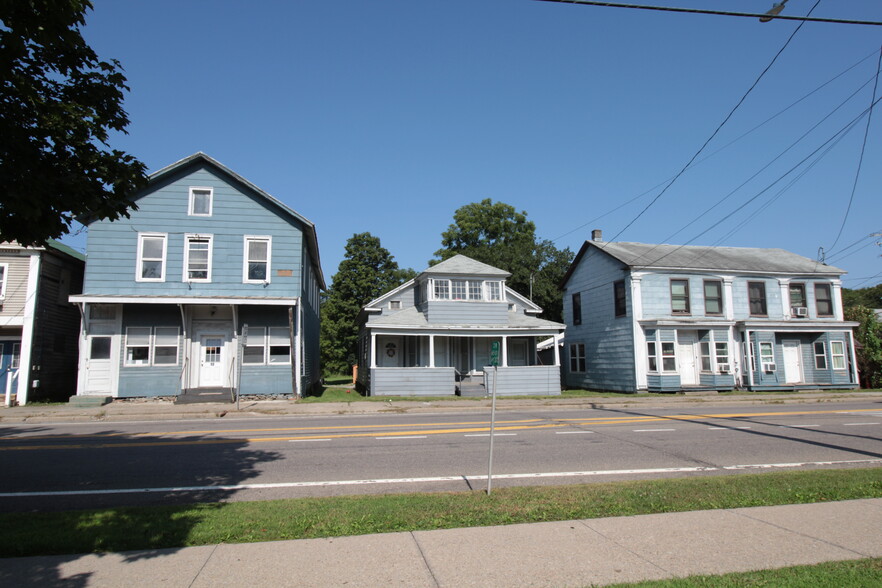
210, 285
665, 318
436, 334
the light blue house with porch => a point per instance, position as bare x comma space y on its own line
211, 284
433, 336
664, 318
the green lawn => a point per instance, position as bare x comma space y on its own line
121, 529
858, 573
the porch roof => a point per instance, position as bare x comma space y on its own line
152, 299
411, 318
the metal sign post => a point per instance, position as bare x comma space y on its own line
243, 340
494, 361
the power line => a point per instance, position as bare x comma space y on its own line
720, 126
716, 12
857, 173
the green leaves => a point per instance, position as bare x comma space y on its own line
58, 104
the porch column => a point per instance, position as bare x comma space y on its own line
854, 364
504, 360
373, 350
27, 331
431, 351
556, 352
749, 367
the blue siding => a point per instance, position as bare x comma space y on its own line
609, 340
155, 380
112, 246
467, 313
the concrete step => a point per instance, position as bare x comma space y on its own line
206, 395
89, 401
472, 390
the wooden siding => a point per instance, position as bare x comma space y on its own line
13, 304
812, 376
609, 340
149, 381
534, 380
55, 347
413, 381
112, 246
442, 312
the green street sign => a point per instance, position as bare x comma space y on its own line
494, 353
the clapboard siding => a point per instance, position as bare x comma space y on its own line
439, 381
467, 313
608, 339
236, 212
531, 380
17, 267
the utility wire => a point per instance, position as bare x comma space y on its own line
846, 248
727, 145
714, 134
857, 173
715, 12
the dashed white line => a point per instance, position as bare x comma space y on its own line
801, 426
857, 424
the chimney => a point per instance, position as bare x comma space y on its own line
597, 236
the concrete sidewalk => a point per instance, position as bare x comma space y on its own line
569, 553
165, 409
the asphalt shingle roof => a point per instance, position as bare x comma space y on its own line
460, 264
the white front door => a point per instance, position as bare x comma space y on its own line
211, 357
686, 357
98, 364
792, 362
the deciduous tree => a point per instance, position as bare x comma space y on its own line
497, 234
59, 104
869, 353
367, 271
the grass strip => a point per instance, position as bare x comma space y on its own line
122, 529
857, 573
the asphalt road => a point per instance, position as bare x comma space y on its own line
87, 465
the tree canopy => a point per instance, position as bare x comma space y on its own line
58, 105
367, 271
870, 297
869, 352
497, 234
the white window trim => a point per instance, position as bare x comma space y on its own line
263, 345
3, 280
149, 361
269, 257
834, 355
269, 356
151, 347
186, 275
140, 258
193, 190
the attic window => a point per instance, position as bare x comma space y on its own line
394, 305
201, 201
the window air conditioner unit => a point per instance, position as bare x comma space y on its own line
800, 311
770, 367
724, 368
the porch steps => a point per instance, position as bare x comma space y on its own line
205, 395
472, 390
88, 401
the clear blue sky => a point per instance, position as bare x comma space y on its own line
387, 115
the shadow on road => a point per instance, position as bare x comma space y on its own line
51, 486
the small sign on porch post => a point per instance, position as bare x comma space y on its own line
494, 361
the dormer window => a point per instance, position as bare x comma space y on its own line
442, 289
456, 289
494, 291
201, 201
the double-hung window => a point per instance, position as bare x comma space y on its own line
475, 292
721, 350
669, 358
255, 346
680, 296
652, 355
201, 201
459, 289
837, 354
820, 355
705, 356
619, 300
577, 308
494, 291
279, 341
197, 258
267, 346
756, 295
147, 346
577, 357
442, 289
823, 300
258, 252
713, 297
797, 300
767, 354
151, 257
4, 271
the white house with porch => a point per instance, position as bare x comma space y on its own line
433, 336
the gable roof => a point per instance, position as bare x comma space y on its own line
695, 257
460, 264
200, 158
